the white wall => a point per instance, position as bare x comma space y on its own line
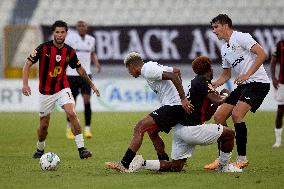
116, 95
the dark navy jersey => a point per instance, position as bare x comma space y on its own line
200, 87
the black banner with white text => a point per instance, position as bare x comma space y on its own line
169, 44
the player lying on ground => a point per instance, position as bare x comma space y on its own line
205, 100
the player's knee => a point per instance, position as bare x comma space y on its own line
218, 118
237, 116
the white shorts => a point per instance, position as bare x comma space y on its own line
185, 138
47, 102
279, 94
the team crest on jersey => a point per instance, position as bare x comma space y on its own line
33, 54
58, 58
78, 63
234, 47
210, 87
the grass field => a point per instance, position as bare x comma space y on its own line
112, 133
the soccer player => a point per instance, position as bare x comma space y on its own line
278, 84
193, 131
54, 57
84, 46
166, 83
245, 56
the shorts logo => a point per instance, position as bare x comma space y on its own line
57, 70
155, 113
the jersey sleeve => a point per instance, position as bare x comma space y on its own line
34, 56
153, 71
74, 62
246, 41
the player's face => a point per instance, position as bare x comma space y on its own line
133, 70
82, 28
219, 30
59, 35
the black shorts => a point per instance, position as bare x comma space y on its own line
79, 85
251, 93
167, 117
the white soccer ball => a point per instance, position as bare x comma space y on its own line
49, 161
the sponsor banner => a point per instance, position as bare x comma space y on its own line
169, 44
116, 95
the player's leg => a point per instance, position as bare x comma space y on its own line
66, 101
278, 126
46, 106
86, 94
238, 116
158, 143
220, 117
75, 87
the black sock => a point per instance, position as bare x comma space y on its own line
163, 157
81, 149
88, 113
241, 138
127, 158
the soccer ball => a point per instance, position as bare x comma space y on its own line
49, 161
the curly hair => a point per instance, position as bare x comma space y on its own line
132, 57
201, 65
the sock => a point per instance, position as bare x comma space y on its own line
241, 138
241, 158
278, 135
151, 165
79, 140
40, 145
87, 128
68, 125
88, 114
163, 156
224, 158
127, 158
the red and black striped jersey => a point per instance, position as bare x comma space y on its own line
279, 53
52, 66
200, 87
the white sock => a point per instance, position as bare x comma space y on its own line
278, 135
241, 158
87, 128
79, 140
40, 145
152, 165
224, 157
68, 125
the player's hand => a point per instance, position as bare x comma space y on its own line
240, 79
187, 106
275, 83
96, 90
26, 90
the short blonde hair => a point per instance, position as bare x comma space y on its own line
201, 65
132, 58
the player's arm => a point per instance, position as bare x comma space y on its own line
178, 84
82, 72
26, 90
223, 78
216, 99
95, 60
273, 62
260, 58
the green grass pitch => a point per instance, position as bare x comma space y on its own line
112, 133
